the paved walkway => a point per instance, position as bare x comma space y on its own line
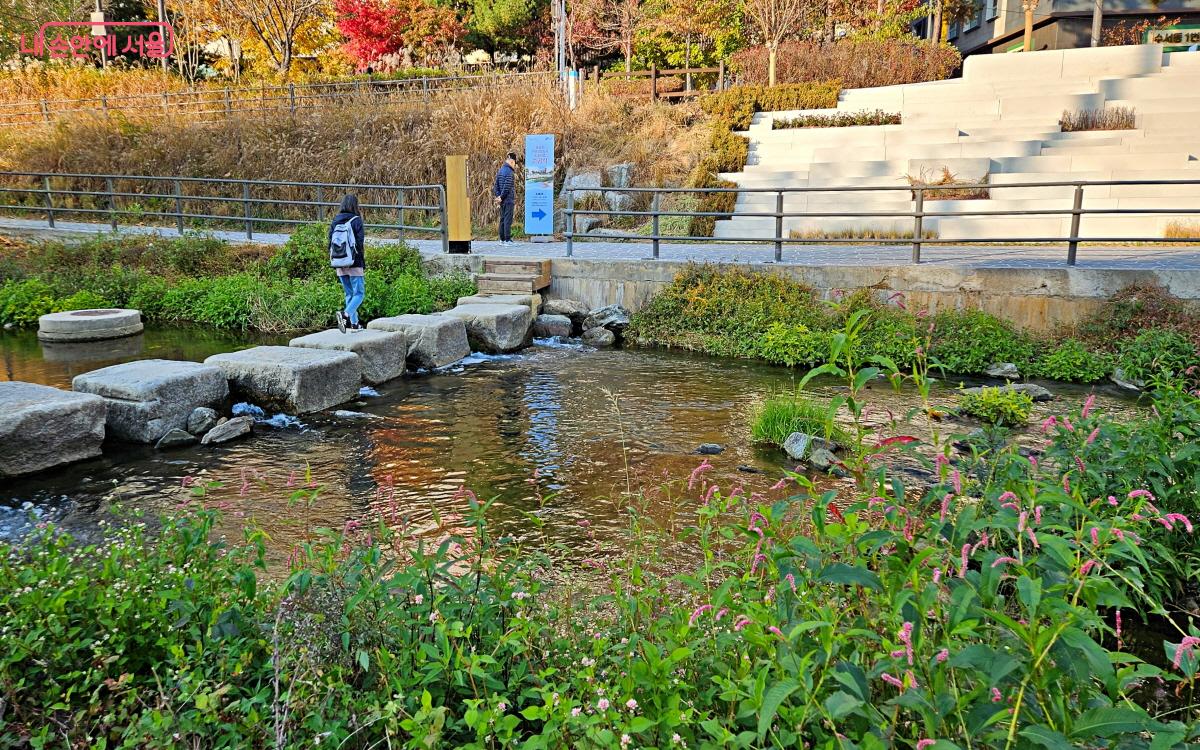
1144, 257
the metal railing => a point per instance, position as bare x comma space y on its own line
213, 104
920, 195
204, 204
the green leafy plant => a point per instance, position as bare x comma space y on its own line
970, 341
838, 120
1072, 361
1156, 354
792, 345
997, 405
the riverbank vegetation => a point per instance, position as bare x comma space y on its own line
1142, 332
200, 280
995, 603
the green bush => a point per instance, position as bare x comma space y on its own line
1155, 354
23, 302
839, 120
997, 406
735, 107
792, 345
970, 341
305, 255
1072, 361
82, 300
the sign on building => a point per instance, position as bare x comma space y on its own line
539, 185
1178, 38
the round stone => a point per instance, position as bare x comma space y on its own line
89, 325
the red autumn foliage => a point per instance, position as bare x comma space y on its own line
376, 28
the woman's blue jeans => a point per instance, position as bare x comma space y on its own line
355, 289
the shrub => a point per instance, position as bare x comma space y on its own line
792, 345
1181, 230
640, 85
1156, 354
82, 300
857, 63
736, 106
969, 341
997, 405
1108, 118
929, 178
779, 416
838, 120
1136, 308
1073, 361
304, 255
23, 302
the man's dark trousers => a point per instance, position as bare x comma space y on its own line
506, 219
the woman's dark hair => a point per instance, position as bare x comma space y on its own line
512, 155
349, 204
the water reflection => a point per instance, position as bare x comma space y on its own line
559, 432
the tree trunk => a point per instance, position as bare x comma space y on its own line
935, 25
1029, 6
772, 51
1097, 21
829, 25
687, 63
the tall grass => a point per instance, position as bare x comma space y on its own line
782, 414
1105, 118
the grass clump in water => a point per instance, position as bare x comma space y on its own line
782, 414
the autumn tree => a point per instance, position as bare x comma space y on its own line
688, 32
276, 24
506, 24
610, 25
776, 21
376, 28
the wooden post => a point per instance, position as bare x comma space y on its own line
458, 205
653, 83
721, 76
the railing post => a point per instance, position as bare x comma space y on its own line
779, 227
1076, 214
654, 226
45, 110
246, 207
104, 104
166, 105
320, 203
425, 88
445, 220
292, 97
721, 76
49, 201
179, 206
228, 104
569, 216
653, 83
112, 203
918, 225
400, 214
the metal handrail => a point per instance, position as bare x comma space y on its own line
227, 101
250, 196
918, 214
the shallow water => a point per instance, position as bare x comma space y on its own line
559, 431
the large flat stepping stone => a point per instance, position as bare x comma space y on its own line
89, 325
293, 379
433, 340
149, 398
43, 427
495, 328
383, 353
533, 300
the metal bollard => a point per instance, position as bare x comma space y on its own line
779, 227
112, 204
918, 222
654, 226
1076, 215
246, 207
49, 201
569, 216
179, 206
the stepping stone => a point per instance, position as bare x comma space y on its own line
433, 340
290, 378
534, 301
149, 398
576, 311
382, 352
494, 328
43, 427
89, 325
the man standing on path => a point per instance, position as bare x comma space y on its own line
505, 192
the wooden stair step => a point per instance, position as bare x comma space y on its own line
524, 280
506, 283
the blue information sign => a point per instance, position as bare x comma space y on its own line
539, 184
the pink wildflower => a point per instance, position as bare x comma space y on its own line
740, 623
922, 744
1080, 466
1067, 424
905, 636
1037, 515
602, 704
943, 655
937, 575
996, 697
697, 612
911, 679
1021, 520
1033, 538
945, 505
1171, 517
1087, 405
698, 472
1095, 535
1005, 560
1119, 644
780, 484
631, 704
1141, 493
956, 481
984, 541
1113, 501
1034, 463
1185, 647
721, 613
1067, 483
791, 579
1007, 496
712, 490
777, 632
893, 681
1048, 423
1092, 437
760, 558
1087, 567
962, 571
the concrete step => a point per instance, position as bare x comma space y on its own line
499, 283
537, 271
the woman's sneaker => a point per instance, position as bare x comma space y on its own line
341, 321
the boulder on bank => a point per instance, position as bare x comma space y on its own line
1120, 378
800, 445
43, 427
551, 326
291, 379
201, 420
148, 398
433, 340
1034, 391
576, 311
613, 317
1006, 370
176, 438
383, 353
599, 337
493, 328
